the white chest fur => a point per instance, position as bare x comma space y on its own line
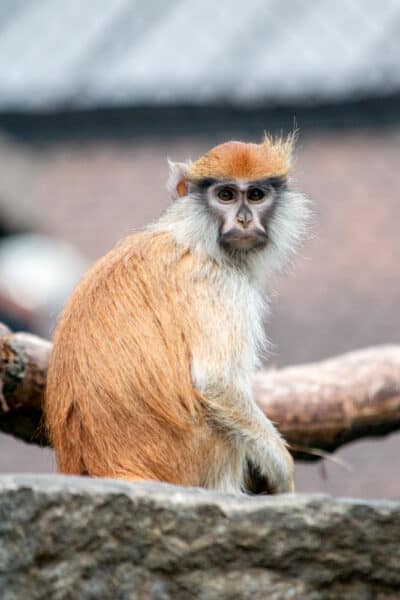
231, 329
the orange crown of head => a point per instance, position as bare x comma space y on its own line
238, 160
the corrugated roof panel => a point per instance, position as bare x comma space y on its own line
41, 50
103, 53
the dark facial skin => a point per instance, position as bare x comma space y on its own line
243, 210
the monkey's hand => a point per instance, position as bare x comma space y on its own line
270, 467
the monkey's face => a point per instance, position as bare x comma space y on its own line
243, 210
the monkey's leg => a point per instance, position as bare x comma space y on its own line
222, 469
265, 451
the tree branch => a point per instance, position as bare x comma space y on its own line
23, 365
317, 407
326, 404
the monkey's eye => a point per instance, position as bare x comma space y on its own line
255, 195
226, 195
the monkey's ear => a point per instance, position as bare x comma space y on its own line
177, 181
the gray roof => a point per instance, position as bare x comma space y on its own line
129, 52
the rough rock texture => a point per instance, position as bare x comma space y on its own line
80, 538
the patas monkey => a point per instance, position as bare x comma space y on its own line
150, 375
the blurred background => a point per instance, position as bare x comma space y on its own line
95, 95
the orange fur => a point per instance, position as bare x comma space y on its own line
237, 160
163, 315
120, 400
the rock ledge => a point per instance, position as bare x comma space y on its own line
66, 537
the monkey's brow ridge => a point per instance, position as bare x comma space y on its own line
205, 182
276, 182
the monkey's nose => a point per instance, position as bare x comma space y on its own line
244, 217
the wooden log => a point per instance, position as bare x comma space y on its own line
23, 366
317, 407
326, 404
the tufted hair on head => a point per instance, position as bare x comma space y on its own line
238, 160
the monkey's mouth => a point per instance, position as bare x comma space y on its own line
236, 239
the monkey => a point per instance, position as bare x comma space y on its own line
150, 376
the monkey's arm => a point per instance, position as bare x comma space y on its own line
233, 409
266, 451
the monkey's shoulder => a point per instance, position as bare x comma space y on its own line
140, 250
144, 264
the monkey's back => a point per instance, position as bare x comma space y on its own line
120, 399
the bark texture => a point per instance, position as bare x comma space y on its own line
317, 407
323, 405
23, 365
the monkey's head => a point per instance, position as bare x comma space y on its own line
240, 195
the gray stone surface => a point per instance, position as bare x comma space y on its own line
79, 538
